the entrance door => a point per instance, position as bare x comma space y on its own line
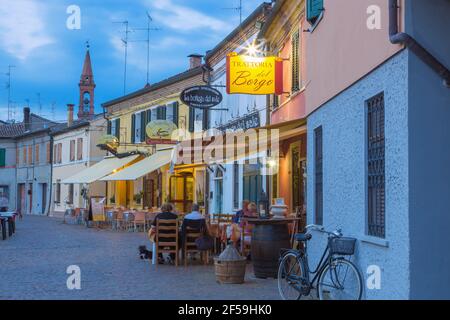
21, 201
252, 185
149, 193
30, 198
44, 197
181, 188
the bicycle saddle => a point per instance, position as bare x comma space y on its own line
302, 237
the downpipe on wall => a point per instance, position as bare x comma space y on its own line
403, 38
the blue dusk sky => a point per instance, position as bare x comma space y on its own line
48, 57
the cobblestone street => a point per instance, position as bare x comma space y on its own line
33, 264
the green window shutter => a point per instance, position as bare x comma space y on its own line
143, 124
118, 129
108, 128
148, 116
205, 119
191, 119
313, 9
133, 128
2, 157
175, 107
295, 60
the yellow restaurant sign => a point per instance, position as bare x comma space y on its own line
254, 75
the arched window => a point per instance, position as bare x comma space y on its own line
86, 101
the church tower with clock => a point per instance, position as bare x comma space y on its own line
87, 86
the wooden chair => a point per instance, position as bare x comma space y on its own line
170, 228
224, 218
140, 220
191, 247
119, 219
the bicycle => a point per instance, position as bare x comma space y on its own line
335, 277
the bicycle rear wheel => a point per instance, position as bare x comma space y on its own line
340, 280
290, 274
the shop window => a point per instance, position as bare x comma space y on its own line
70, 194
376, 166
318, 165
4, 196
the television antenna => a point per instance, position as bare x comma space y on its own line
239, 8
125, 43
149, 28
39, 103
8, 86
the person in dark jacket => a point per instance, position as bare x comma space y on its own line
194, 221
166, 214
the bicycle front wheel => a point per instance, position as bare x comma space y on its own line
340, 280
290, 275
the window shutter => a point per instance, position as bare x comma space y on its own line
36, 156
133, 128
143, 124
295, 61
55, 153
175, 107
80, 149
149, 116
2, 157
314, 8
30, 155
59, 152
72, 150
191, 119
108, 130
118, 129
48, 152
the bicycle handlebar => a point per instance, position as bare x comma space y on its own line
336, 233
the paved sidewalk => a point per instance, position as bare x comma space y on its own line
33, 266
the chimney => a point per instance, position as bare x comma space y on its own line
70, 114
195, 60
26, 118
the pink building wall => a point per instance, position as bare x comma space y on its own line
342, 49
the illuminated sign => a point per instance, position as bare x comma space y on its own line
254, 75
160, 132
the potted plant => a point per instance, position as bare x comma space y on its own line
112, 200
138, 197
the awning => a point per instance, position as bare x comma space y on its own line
100, 169
143, 167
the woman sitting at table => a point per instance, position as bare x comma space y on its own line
166, 214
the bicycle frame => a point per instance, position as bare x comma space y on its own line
323, 262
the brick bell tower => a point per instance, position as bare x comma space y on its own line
87, 86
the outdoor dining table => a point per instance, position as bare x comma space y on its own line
269, 237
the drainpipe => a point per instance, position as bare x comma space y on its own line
403, 38
50, 187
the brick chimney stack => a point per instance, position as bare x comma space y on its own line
195, 60
70, 107
26, 118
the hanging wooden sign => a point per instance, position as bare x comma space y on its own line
254, 75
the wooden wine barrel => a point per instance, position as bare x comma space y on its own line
268, 239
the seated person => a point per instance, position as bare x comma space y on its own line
242, 212
166, 214
194, 221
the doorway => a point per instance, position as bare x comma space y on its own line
218, 190
181, 187
21, 201
44, 197
149, 193
252, 186
30, 198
